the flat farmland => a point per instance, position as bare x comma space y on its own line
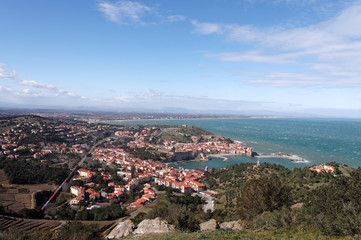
17, 197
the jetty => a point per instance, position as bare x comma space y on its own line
282, 155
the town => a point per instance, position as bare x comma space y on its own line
111, 163
56, 170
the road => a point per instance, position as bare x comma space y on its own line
90, 151
72, 172
209, 202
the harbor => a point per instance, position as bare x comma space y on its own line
283, 155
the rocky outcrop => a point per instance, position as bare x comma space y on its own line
123, 229
234, 225
209, 226
148, 226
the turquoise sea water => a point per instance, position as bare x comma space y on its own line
316, 140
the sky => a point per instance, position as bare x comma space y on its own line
295, 57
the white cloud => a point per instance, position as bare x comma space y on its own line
251, 56
6, 74
5, 89
131, 12
122, 99
207, 28
124, 12
325, 54
176, 18
37, 89
19, 93
35, 84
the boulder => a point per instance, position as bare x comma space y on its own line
123, 229
148, 226
209, 226
234, 225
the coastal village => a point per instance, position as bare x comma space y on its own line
135, 171
139, 156
62, 143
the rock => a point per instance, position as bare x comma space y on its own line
157, 225
234, 225
209, 226
123, 229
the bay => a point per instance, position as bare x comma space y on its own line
317, 140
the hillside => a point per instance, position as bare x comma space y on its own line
181, 133
273, 197
232, 235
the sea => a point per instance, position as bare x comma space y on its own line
316, 140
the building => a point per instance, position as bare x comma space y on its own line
77, 191
76, 201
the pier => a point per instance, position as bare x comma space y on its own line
282, 155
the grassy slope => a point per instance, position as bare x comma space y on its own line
229, 234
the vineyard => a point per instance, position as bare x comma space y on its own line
27, 225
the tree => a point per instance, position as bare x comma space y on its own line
336, 207
187, 222
31, 213
263, 194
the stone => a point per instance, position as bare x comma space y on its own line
234, 225
123, 229
209, 226
149, 226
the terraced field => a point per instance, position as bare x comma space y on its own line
27, 225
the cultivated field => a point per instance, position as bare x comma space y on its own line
30, 225
27, 225
18, 196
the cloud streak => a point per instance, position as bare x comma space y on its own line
4, 73
43, 89
124, 12
324, 54
134, 13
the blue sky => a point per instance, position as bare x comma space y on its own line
250, 56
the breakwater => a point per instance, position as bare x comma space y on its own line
283, 155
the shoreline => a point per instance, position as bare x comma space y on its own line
205, 160
180, 119
225, 156
292, 158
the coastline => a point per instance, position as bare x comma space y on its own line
221, 155
224, 156
180, 119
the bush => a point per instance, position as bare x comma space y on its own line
263, 194
336, 207
275, 219
31, 213
78, 231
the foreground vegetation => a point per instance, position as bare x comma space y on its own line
273, 201
272, 197
238, 235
